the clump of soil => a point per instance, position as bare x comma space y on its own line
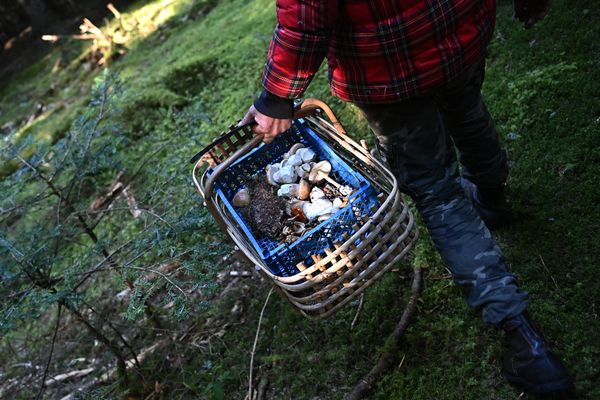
265, 211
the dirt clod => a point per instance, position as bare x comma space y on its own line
265, 210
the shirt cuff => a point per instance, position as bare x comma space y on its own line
274, 106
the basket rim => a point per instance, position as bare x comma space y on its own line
364, 263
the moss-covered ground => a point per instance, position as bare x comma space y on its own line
192, 68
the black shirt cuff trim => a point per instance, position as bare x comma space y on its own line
274, 106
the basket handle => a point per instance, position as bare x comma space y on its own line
306, 108
309, 106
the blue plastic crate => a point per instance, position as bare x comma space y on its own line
279, 257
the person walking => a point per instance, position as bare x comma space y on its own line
415, 69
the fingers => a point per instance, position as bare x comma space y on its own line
266, 126
277, 127
269, 127
249, 117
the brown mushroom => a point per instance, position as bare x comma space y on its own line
298, 214
304, 189
241, 198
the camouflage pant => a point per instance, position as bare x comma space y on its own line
417, 138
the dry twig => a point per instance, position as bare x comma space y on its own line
358, 310
255, 342
549, 273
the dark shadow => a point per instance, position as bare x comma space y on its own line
27, 48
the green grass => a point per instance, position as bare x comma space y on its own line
193, 70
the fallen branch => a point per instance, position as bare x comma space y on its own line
110, 374
388, 358
63, 377
115, 190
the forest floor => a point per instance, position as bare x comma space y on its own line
191, 68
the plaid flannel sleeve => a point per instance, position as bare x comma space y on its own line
299, 45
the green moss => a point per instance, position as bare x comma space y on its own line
189, 76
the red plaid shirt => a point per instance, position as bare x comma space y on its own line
379, 51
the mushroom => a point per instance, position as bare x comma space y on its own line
303, 189
316, 193
270, 171
317, 208
331, 213
287, 174
345, 190
241, 198
306, 154
298, 214
298, 228
303, 170
324, 217
293, 160
288, 190
297, 204
289, 239
293, 150
321, 171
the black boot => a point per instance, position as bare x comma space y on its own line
530, 363
490, 204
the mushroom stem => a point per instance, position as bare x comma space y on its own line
334, 183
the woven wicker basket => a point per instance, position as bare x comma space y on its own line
337, 274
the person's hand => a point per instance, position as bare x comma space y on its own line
266, 126
529, 12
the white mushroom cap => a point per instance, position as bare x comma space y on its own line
295, 148
316, 208
303, 171
345, 190
319, 171
292, 150
270, 170
306, 154
316, 193
286, 174
293, 160
288, 190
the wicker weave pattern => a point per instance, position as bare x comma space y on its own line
340, 273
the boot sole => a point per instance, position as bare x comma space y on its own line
546, 388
